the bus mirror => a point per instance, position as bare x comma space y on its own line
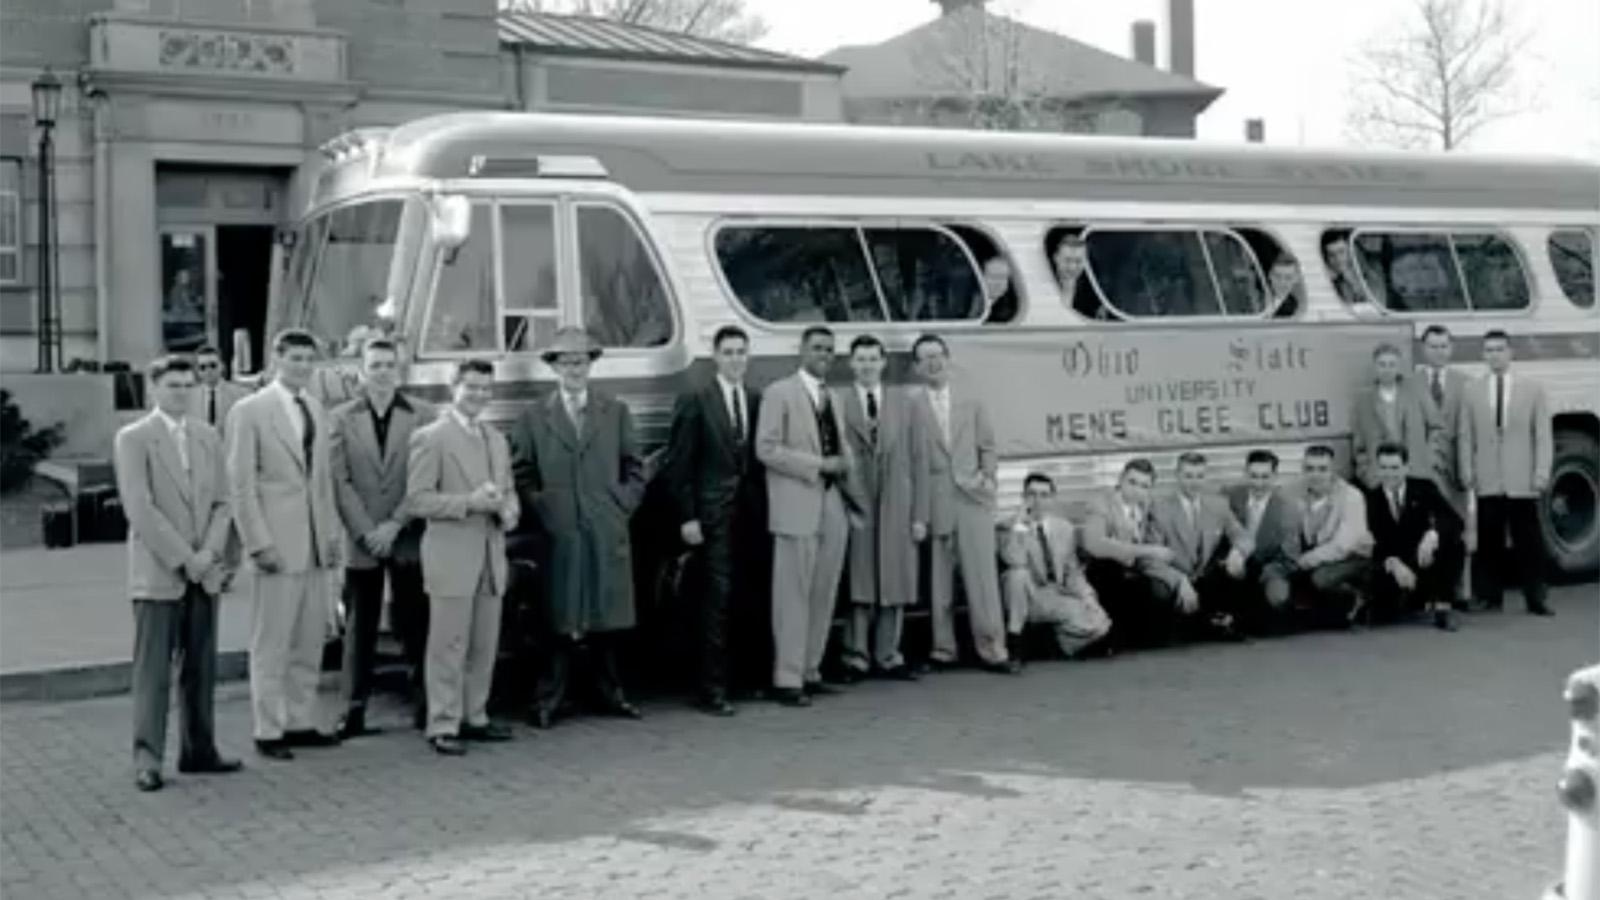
452, 220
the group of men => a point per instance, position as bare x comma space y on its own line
780, 496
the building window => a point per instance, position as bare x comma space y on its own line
1418, 272
528, 276
463, 314
625, 299
849, 273
1572, 256
11, 222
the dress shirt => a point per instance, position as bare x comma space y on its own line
871, 401
1397, 500
940, 398
1498, 414
1256, 511
733, 399
180, 435
287, 397
1135, 515
1191, 508
814, 387
471, 425
576, 405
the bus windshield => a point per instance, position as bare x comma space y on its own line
342, 286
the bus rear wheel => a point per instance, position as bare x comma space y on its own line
1569, 505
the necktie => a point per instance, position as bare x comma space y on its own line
308, 434
1044, 548
1438, 388
872, 406
1500, 402
1394, 504
738, 414
575, 412
1190, 507
211, 406
180, 436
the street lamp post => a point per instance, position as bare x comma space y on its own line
46, 108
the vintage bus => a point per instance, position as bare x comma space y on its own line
1106, 298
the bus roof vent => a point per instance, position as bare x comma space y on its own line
535, 167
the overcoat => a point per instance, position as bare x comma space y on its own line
893, 483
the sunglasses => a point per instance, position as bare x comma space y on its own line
205, 367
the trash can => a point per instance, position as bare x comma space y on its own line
57, 525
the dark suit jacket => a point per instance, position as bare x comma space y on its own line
1423, 508
1276, 538
710, 475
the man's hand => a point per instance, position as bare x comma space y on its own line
919, 531
835, 465
1235, 564
1427, 549
380, 540
1540, 482
1401, 573
268, 560
484, 499
1188, 598
196, 566
1158, 553
1305, 561
691, 533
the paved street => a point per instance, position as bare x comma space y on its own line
1403, 763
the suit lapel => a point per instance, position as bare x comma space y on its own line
807, 412
167, 451
560, 422
715, 404
592, 415
285, 430
471, 454
855, 416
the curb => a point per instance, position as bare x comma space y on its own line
80, 682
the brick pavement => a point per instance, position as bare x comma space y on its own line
1402, 763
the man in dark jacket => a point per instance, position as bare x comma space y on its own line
1417, 547
578, 472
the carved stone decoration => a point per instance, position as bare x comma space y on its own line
267, 54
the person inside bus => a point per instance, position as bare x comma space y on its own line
1418, 551
999, 293
1269, 523
1130, 569
1334, 546
1070, 262
1209, 549
1285, 286
1340, 258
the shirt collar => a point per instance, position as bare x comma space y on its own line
399, 402
172, 423
728, 386
469, 424
812, 382
284, 390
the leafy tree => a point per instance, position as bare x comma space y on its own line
21, 445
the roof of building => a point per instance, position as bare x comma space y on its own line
947, 55
589, 36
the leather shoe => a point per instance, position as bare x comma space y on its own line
1004, 667
541, 718
622, 709
1444, 620
216, 765
1539, 609
717, 706
277, 749
148, 780
848, 675
445, 745
309, 737
791, 697
942, 665
355, 725
900, 673
489, 733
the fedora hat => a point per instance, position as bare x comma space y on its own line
570, 339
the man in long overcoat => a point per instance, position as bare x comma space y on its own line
578, 472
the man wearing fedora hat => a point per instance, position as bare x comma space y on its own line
578, 470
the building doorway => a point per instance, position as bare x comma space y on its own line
244, 273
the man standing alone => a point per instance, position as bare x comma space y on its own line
172, 484
282, 491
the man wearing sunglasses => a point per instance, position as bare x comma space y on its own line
215, 394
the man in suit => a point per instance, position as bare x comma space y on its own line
1131, 570
1506, 454
281, 481
578, 471
369, 449
1442, 391
800, 440
1043, 581
1273, 532
1388, 412
888, 442
715, 483
1209, 548
217, 394
174, 491
458, 479
1333, 547
962, 485
1417, 550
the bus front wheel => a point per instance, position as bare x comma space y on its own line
1571, 531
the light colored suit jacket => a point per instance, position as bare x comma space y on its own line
370, 484
446, 465
1514, 462
172, 514
228, 394
788, 445
963, 467
1022, 551
1406, 424
1444, 426
277, 503
1337, 533
1109, 534
1193, 547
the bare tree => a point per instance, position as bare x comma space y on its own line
723, 20
1441, 77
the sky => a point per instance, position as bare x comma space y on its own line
1285, 61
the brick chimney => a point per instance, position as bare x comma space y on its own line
1180, 37
1143, 35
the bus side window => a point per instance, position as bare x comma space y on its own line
463, 313
528, 264
1285, 282
1154, 273
1069, 262
926, 275
1410, 272
796, 273
1002, 292
1493, 272
1572, 256
625, 302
